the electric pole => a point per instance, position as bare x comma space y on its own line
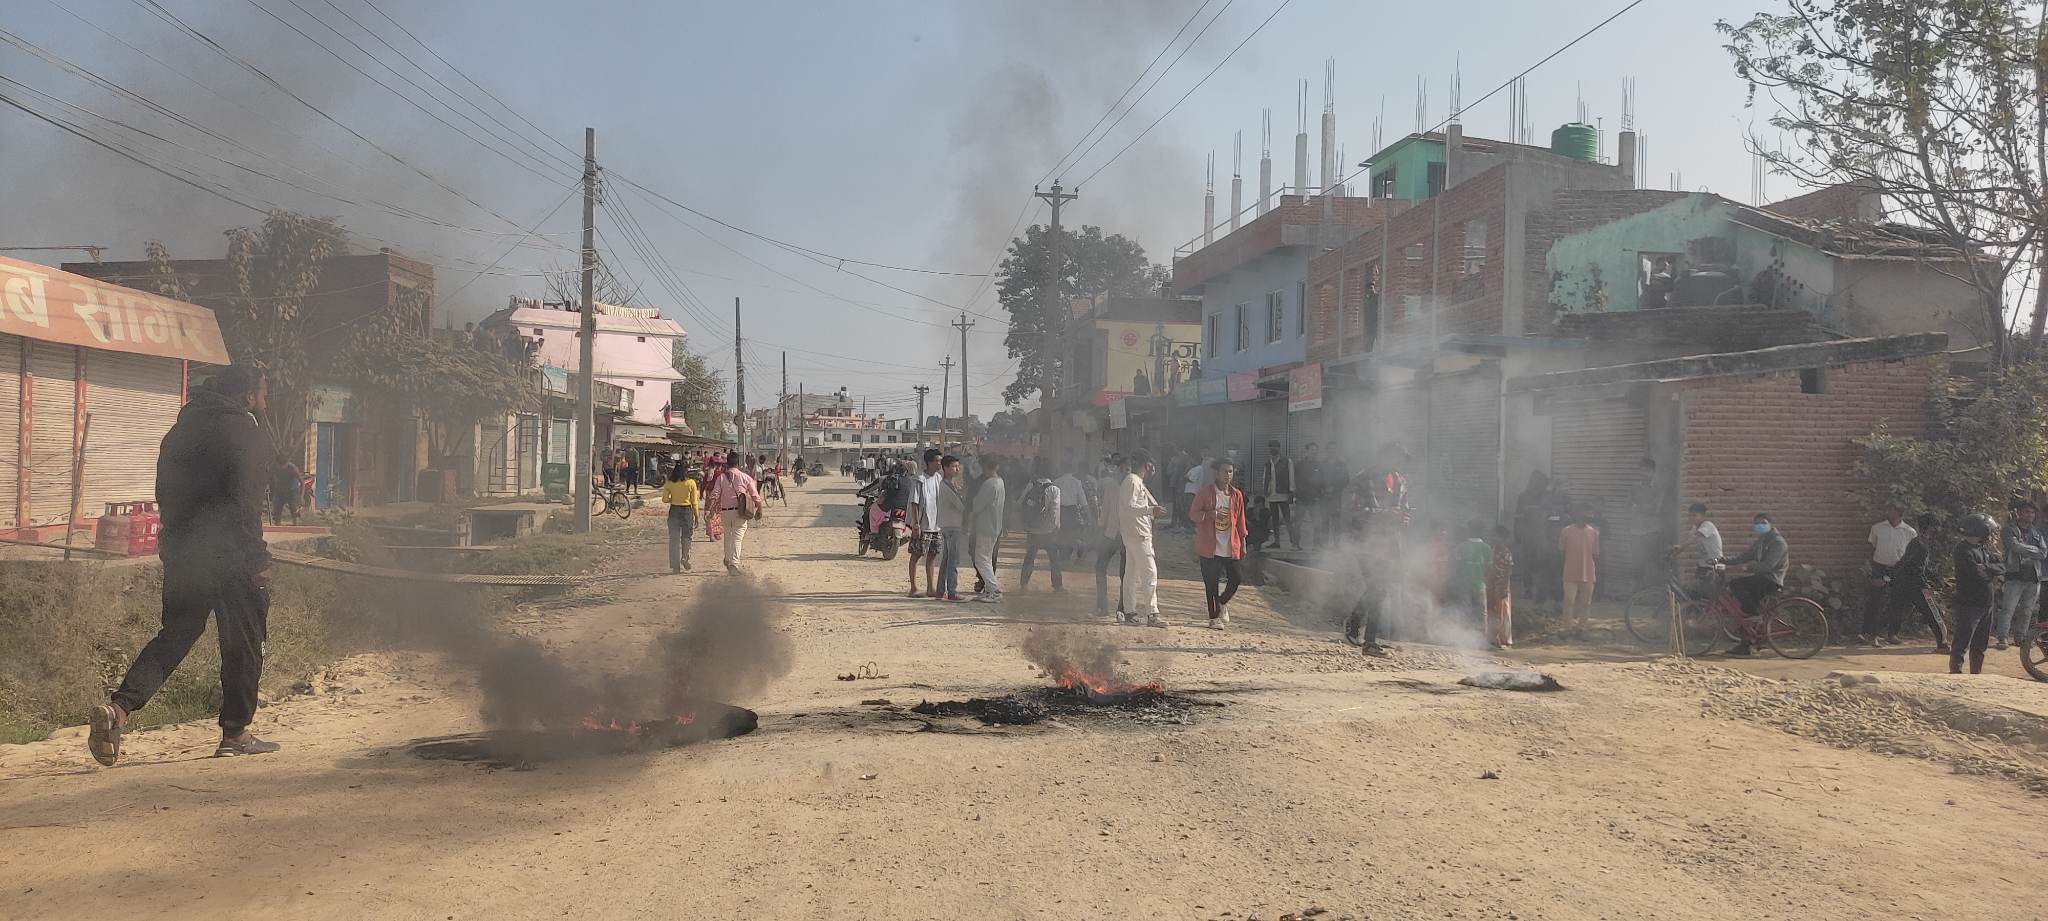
921, 389
739, 376
963, 324
800, 401
579, 471
945, 398
782, 408
1055, 311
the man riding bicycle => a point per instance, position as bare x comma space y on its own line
1769, 558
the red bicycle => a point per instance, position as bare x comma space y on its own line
1794, 626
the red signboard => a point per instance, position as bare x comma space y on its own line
1243, 385
39, 302
1305, 388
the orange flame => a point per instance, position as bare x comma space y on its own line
599, 722
1105, 686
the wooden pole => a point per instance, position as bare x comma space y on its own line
77, 486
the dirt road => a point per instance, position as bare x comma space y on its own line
1374, 789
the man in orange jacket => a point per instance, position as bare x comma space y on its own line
1218, 514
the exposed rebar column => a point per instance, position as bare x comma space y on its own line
1209, 204
1265, 160
1301, 141
1329, 174
1236, 179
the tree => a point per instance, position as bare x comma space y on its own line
1090, 263
1938, 104
271, 271
1978, 453
700, 396
565, 286
452, 380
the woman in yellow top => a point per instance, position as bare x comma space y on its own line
680, 492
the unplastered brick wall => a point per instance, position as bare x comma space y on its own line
1760, 443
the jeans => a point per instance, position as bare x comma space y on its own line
1973, 631
241, 612
682, 520
1110, 549
1283, 513
1141, 576
1215, 570
950, 541
2018, 606
1050, 543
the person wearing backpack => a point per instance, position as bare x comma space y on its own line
1040, 512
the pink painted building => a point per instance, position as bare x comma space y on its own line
634, 348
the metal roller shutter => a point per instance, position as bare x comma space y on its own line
54, 396
10, 425
1464, 445
133, 400
1595, 447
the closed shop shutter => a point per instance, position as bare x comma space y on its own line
1464, 445
53, 395
10, 426
1270, 422
133, 400
1595, 447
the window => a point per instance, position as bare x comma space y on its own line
1654, 275
639, 383
836, 437
1475, 246
1436, 180
639, 338
1300, 309
1276, 316
1244, 327
1215, 336
1813, 380
539, 332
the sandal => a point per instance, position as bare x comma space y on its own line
105, 738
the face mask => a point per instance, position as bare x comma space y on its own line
1761, 527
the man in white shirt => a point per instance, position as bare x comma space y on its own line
1704, 540
1136, 510
1888, 540
925, 540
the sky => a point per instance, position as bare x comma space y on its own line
908, 134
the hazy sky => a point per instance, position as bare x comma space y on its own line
892, 132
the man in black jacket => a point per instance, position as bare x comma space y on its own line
1977, 575
210, 479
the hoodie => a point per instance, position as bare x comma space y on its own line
211, 474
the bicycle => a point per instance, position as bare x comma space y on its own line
617, 502
2033, 649
1646, 614
1794, 626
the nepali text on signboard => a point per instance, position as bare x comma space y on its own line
1305, 388
39, 302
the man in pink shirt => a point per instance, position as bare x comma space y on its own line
1580, 542
728, 496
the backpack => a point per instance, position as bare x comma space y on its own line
1037, 511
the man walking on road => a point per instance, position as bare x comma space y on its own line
985, 519
1580, 546
210, 479
952, 517
924, 523
1888, 540
1219, 540
1041, 508
1112, 545
738, 501
1136, 510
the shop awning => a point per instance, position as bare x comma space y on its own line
39, 302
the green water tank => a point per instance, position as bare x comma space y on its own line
1576, 140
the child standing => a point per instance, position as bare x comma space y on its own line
1472, 560
1499, 588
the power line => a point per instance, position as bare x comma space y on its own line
1154, 84
1191, 91
1140, 78
509, 250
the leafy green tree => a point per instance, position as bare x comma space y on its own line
1090, 263
1941, 105
700, 396
1979, 452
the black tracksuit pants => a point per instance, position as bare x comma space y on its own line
241, 611
1215, 571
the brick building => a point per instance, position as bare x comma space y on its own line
1766, 430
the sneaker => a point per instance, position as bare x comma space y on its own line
244, 744
1154, 620
1226, 612
104, 741
1880, 642
950, 596
732, 569
989, 597
1998, 645
1215, 623
1373, 649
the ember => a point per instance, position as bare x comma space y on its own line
1103, 689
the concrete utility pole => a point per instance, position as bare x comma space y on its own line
800, 418
782, 407
963, 325
1055, 313
921, 389
586, 408
739, 376
945, 398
